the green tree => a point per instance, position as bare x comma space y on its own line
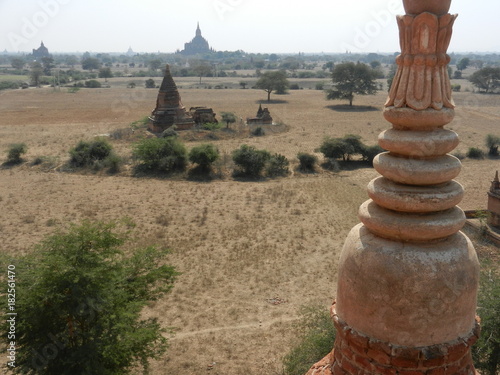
15, 152
202, 69
273, 81
250, 160
277, 165
161, 154
150, 83
492, 142
334, 148
243, 84
155, 64
48, 65
81, 298
463, 63
349, 79
91, 63
17, 62
228, 118
486, 79
105, 73
36, 72
307, 161
204, 155
90, 153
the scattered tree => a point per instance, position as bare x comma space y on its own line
90, 322
463, 64
204, 155
202, 69
228, 118
161, 154
243, 85
150, 83
277, 165
17, 62
273, 81
492, 142
105, 73
250, 160
307, 162
93, 84
48, 65
155, 64
475, 153
36, 73
91, 63
349, 79
15, 152
90, 153
486, 79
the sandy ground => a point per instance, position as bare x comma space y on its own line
241, 246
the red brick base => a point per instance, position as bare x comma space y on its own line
356, 354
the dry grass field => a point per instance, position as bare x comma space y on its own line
250, 252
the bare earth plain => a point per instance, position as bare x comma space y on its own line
251, 253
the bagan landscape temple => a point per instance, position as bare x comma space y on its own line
197, 45
169, 110
408, 277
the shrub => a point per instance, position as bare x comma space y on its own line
277, 165
369, 152
150, 83
204, 155
92, 84
15, 152
90, 154
456, 87
161, 154
294, 86
258, 132
91, 321
170, 132
250, 160
113, 162
486, 352
307, 162
475, 153
212, 126
492, 142
316, 336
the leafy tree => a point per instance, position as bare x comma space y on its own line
36, 73
80, 299
150, 83
204, 155
349, 79
250, 160
15, 152
492, 142
71, 60
243, 84
90, 153
202, 69
228, 118
463, 63
475, 153
486, 352
155, 64
17, 62
315, 338
48, 65
273, 81
92, 84
277, 165
344, 148
91, 63
161, 154
307, 161
486, 79
369, 152
105, 73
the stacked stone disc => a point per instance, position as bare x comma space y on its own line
408, 278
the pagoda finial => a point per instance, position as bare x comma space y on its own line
198, 30
496, 177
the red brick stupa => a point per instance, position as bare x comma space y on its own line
169, 110
408, 278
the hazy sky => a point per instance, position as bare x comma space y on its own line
251, 25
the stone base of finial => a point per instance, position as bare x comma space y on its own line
357, 354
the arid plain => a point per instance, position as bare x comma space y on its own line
251, 253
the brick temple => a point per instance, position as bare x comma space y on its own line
169, 110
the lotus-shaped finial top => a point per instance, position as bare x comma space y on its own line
438, 7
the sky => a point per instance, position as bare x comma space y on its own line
266, 26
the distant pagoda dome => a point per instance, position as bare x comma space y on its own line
40, 52
197, 45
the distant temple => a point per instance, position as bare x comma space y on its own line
130, 52
40, 52
263, 117
197, 45
169, 110
494, 202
